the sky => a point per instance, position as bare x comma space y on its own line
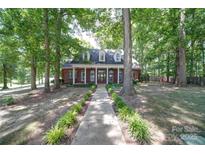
87, 36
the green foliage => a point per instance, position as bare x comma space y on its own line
125, 113
77, 108
7, 100
93, 87
87, 95
82, 102
137, 127
54, 135
110, 90
139, 130
67, 120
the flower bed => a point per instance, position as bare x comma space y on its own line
57, 132
136, 125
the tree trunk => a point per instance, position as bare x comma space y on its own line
177, 67
203, 59
181, 59
128, 88
58, 50
168, 67
47, 52
192, 60
33, 73
4, 77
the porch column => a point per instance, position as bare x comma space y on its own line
85, 75
107, 76
73, 75
96, 82
118, 75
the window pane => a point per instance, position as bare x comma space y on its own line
92, 76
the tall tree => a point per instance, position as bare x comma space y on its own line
128, 88
181, 60
47, 50
58, 46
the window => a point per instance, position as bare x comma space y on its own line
92, 75
70, 74
121, 76
82, 74
86, 56
117, 57
101, 56
111, 74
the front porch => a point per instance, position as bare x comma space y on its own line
97, 75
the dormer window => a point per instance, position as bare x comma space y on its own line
101, 56
86, 56
117, 57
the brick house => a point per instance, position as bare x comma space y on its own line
97, 66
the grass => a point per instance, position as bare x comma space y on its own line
54, 135
7, 100
137, 126
139, 129
167, 107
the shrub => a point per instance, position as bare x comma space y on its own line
78, 107
139, 130
125, 113
114, 96
67, 120
54, 135
87, 95
137, 127
120, 104
93, 87
7, 100
110, 90
82, 102
135, 82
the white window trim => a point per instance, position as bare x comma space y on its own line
92, 75
100, 53
87, 55
116, 55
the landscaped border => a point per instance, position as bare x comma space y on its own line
58, 131
137, 127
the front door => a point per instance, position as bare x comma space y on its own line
101, 76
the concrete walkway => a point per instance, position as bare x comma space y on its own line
100, 125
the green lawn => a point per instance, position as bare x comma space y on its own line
170, 111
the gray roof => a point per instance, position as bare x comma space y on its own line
94, 58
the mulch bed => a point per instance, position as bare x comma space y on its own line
124, 128
70, 132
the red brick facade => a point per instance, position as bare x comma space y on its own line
67, 75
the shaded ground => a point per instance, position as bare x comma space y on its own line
170, 111
17, 90
34, 113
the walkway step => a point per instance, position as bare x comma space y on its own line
100, 125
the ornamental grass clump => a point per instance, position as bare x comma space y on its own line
87, 95
93, 87
137, 127
139, 130
110, 90
67, 120
7, 100
125, 113
54, 135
